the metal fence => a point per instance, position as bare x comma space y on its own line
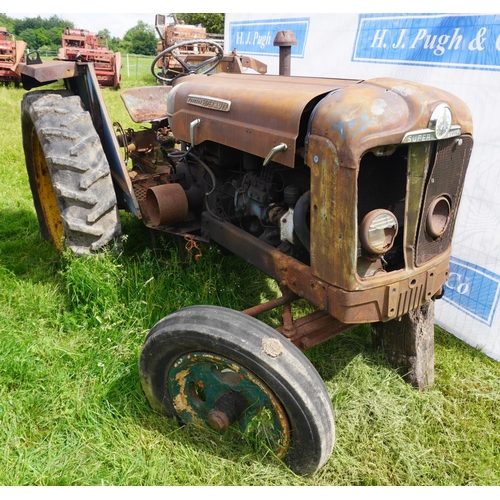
134, 65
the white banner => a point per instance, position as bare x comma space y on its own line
458, 53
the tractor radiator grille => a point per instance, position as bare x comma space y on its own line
446, 177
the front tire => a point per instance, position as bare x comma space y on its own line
216, 366
68, 172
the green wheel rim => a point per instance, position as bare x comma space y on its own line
198, 381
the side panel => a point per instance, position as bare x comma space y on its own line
332, 187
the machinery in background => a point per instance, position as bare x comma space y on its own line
11, 54
82, 45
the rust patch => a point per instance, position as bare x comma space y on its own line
180, 401
146, 104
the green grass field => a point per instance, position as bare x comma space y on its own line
72, 411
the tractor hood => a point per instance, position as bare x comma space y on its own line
256, 113
253, 113
385, 111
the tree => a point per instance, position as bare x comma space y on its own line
113, 42
105, 33
35, 38
213, 23
7, 23
38, 32
140, 39
55, 35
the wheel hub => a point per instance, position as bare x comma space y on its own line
213, 390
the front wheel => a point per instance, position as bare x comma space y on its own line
216, 366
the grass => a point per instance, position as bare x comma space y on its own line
72, 411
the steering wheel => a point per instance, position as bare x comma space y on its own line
187, 69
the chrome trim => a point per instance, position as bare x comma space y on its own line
428, 134
209, 102
273, 152
192, 126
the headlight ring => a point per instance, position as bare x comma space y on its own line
378, 231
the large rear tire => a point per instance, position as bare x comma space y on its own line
68, 172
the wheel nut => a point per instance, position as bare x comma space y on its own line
226, 411
218, 421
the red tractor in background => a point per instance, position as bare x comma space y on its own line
11, 54
82, 45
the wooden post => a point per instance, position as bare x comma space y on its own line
409, 345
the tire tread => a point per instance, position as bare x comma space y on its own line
78, 169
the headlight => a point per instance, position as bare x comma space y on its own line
438, 216
378, 231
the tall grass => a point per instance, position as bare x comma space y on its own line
72, 411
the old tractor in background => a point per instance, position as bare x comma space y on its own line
185, 48
344, 191
82, 45
11, 54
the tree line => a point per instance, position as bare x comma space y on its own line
46, 34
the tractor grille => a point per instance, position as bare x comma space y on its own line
446, 177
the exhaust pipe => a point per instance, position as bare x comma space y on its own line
285, 40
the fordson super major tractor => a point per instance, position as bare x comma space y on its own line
345, 192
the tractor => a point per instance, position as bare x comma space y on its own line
11, 54
344, 191
82, 45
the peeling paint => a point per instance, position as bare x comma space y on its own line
404, 91
378, 107
180, 400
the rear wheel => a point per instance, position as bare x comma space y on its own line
68, 172
216, 366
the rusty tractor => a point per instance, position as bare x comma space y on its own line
82, 45
343, 191
11, 54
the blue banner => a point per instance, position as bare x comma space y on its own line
473, 289
453, 41
257, 37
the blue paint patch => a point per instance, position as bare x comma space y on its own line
257, 37
452, 41
473, 289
